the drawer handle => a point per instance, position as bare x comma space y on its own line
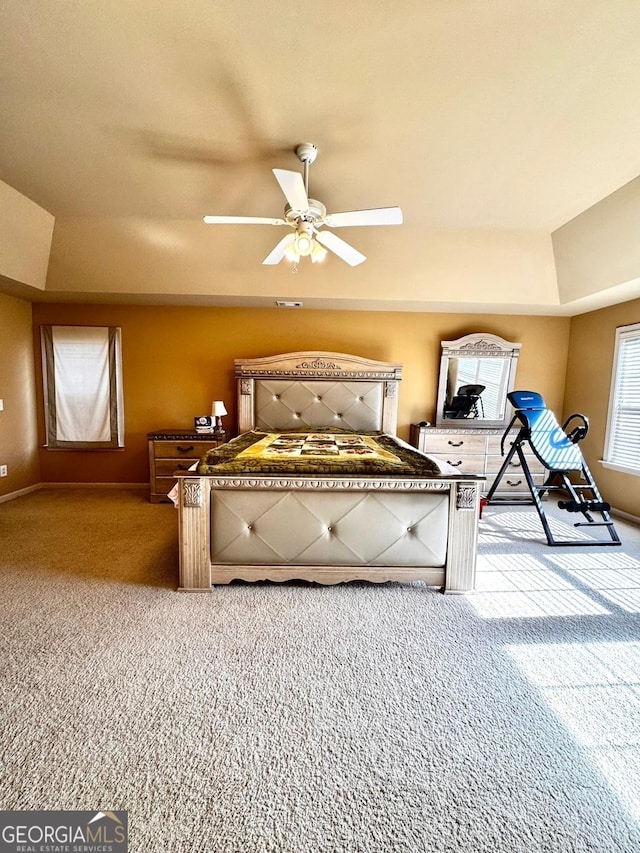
455, 443
185, 449
512, 483
455, 464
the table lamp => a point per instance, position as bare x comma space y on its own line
218, 411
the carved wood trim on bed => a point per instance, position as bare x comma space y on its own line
359, 378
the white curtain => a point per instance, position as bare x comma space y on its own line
82, 371
81, 375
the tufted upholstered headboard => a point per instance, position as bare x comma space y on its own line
317, 389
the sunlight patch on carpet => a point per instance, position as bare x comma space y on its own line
517, 585
594, 688
501, 527
615, 576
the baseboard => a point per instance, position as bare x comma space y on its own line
21, 492
13, 495
626, 516
94, 485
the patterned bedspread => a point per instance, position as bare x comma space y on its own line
321, 451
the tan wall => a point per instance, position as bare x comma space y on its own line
449, 266
589, 369
598, 252
25, 236
599, 249
18, 433
176, 360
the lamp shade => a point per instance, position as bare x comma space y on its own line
218, 409
304, 244
318, 253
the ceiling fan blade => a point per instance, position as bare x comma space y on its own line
338, 246
242, 220
375, 216
292, 186
278, 253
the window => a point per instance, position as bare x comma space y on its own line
82, 370
622, 443
493, 374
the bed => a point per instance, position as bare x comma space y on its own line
334, 524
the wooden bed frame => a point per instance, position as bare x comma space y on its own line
372, 528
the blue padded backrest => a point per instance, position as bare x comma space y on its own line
548, 441
526, 400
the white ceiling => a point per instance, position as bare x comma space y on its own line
488, 115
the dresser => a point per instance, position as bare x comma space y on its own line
477, 451
174, 450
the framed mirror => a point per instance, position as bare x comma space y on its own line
476, 374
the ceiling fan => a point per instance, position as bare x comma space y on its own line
307, 216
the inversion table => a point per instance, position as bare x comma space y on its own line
557, 448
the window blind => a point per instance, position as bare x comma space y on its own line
623, 429
490, 372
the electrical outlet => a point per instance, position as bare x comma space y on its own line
1, 405
3, 470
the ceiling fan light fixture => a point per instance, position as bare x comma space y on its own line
304, 241
291, 254
304, 245
318, 253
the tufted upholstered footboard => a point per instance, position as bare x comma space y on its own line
328, 531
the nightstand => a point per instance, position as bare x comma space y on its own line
174, 450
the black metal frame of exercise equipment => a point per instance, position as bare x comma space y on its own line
558, 478
465, 403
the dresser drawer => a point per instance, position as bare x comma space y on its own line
166, 467
495, 442
466, 463
495, 463
513, 484
442, 445
183, 449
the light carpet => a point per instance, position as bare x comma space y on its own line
302, 719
